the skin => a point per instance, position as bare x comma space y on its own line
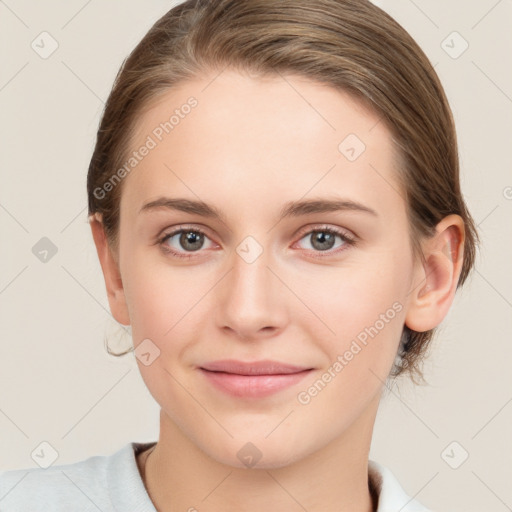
250, 146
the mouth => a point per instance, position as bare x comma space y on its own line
256, 379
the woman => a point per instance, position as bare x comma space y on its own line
274, 197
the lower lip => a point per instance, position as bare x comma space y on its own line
253, 386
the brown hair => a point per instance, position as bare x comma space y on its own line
351, 45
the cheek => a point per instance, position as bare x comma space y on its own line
364, 312
160, 304
156, 293
169, 305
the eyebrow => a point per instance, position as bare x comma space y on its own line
290, 209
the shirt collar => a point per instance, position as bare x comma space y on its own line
392, 497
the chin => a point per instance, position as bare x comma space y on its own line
260, 453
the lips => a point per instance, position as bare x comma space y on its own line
252, 379
266, 367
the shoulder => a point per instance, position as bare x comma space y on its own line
93, 484
392, 496
65, 487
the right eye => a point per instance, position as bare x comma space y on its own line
190, 240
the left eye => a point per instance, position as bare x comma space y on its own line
324, 239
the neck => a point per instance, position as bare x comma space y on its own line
179, 476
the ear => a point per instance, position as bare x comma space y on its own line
111, 273
435, 280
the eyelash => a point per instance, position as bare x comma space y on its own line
348, 241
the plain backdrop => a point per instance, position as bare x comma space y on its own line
449, 443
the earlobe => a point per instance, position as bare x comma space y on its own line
111, 273
435, 280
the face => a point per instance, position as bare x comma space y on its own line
300, 267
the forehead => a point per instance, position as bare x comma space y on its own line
277, 137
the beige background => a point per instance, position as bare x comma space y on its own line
58, 384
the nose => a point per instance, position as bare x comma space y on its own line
252, 300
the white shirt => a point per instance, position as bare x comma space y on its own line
112, 483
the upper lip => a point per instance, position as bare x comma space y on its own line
265, 367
